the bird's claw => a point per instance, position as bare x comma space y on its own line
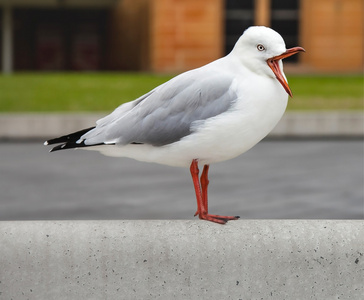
216, 218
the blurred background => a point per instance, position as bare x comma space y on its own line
172, 35
66, 63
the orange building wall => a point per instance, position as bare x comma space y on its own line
165, 35
185, 34
178, 35
332, 34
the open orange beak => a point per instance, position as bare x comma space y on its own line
273, 64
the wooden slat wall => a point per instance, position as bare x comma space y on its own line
332, 34
185, 34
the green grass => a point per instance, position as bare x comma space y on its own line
327, 92
54, 92
79, 92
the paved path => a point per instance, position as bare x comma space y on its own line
276, 179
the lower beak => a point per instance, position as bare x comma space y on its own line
273, 64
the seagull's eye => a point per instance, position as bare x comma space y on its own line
260, 47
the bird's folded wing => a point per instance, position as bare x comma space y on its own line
165, 114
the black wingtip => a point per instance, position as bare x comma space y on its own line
59, 147
68, 141
73, 137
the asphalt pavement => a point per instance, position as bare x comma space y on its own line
302, 179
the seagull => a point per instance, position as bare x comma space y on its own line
203, 116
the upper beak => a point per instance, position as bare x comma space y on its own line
273, 64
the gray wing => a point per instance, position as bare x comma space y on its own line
165, 114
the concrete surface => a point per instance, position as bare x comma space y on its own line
298, 124
296, 259
304, 179
41, 126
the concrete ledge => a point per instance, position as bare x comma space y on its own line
318, 124
296, 124
248, 259
43, 126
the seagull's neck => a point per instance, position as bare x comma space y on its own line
244, 66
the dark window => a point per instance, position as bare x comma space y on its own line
239, 15
60, 39
285, 20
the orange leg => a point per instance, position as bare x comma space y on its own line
201, 195
204, 184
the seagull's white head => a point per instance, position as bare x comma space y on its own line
261, 49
